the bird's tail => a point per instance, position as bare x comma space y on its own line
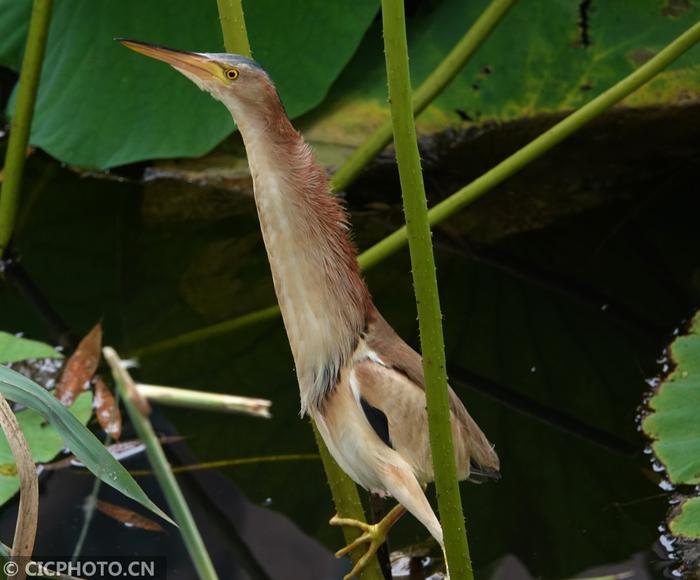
481, 474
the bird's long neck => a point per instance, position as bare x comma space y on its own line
321, 293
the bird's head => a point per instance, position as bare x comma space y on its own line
237, 81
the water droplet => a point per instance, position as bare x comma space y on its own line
533, 369
267, 502
604, 307
657, 467
666, 485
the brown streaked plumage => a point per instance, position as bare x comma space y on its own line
361, 383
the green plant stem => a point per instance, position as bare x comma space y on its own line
89, 507
221, 463
269, 313
430, 88
233, 27
347, 504
161, 468
22, 118
426, 289
483, 184
540, 145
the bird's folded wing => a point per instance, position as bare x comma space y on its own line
395, 409
395, 355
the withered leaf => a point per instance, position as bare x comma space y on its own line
80, 367
106, 409
127, 517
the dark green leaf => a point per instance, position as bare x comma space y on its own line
100, 105
82, 443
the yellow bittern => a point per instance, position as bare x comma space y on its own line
359, 381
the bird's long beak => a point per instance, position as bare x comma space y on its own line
200, 65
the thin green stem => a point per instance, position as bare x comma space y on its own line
233, 463
269, 313
425, 94
233, 27
89, 508
22, 118
161, 468
426, 289
540, 145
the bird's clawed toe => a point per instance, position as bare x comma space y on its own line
372, 534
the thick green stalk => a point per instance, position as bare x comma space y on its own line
540, 145
425, 94
425, 284
233, 27
458, 200
22, 118
161, 469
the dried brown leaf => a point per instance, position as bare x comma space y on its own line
106, 409
80, 367
128, 517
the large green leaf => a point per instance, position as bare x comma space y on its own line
84, 445
100, 105
687, 522
43, 440
13, 349
535, 62
674, 426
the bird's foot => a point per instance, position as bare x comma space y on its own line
373, 534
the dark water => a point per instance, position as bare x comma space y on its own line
559, 290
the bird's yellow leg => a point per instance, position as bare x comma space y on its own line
372, 534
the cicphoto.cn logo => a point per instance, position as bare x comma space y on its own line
116, 567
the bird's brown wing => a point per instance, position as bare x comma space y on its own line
402, 359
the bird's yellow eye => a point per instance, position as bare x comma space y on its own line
232, 74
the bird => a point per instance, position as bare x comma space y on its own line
361, 384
